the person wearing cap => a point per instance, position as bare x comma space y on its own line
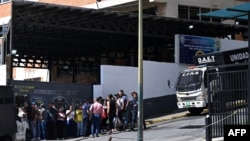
134, 103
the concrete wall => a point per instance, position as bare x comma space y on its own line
155, 77
158, 97
232, 44
3, 75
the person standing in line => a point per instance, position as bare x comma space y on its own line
78, 120
70, 113
134, 111
111, 111
119, 113
104, 116
43, 113
51, 121
96, 110
85, 110
124, 103
61, 117
35, 114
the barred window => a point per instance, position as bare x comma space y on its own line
191, 13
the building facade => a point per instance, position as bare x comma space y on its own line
183, 9
187, 10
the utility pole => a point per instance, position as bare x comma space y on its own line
140, 72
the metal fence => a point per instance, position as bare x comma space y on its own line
227, 98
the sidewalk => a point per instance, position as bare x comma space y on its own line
162, 119
153, 121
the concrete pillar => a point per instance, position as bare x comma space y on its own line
169, 9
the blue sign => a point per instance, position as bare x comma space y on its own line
190, 46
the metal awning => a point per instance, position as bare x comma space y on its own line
65, 33
235, 12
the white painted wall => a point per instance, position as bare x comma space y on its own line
24, 73
3, 75
232, 44
155, 77
107, 3
4, 20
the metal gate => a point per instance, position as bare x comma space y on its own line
227, 98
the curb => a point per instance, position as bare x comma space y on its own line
166, 118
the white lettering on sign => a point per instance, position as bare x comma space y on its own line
190, 73
239, 56
235, 132
207, 59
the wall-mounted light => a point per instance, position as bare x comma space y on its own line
190, 26
13, 51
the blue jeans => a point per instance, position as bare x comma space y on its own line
43, 130
33, 129
96, 123
134, 118
38, 128
79, 128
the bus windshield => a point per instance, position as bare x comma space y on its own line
189, 81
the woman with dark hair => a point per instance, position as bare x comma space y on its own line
111, 111
61, 126
104, 117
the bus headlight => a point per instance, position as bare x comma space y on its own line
200, 98
179, 99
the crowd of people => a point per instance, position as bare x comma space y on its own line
90, 119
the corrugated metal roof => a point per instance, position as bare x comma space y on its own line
235, 12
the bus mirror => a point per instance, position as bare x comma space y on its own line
169, 83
